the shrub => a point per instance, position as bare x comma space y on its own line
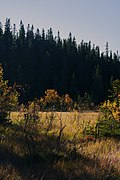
53, 102
109, 122
84, 102
8, 98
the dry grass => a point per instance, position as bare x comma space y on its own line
66, 116
74, 121
99, 159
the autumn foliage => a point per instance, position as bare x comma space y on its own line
53, 101
8, 98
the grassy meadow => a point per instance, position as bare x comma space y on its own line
56, 146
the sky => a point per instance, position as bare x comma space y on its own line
91, 20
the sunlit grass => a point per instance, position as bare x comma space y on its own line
75, 120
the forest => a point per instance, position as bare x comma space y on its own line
48, 128
37, 60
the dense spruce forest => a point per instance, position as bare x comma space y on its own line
38, 60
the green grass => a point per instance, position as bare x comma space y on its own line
57, 149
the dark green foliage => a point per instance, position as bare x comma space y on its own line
84, 102
39, 61
115, 92
107, 125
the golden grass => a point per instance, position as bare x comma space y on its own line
74, 121
66, 116
99, 159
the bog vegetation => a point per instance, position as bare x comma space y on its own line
52, 138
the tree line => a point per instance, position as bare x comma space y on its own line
38, 60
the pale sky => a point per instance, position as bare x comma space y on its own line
94, 20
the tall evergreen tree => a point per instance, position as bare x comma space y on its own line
39, 61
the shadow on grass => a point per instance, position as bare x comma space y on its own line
46, 164
37, 168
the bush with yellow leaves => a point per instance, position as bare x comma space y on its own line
113, 107
8, 99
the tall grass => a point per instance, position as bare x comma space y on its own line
54, 147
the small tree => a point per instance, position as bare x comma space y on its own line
52, 101
115, 91
109, 122
8, 99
